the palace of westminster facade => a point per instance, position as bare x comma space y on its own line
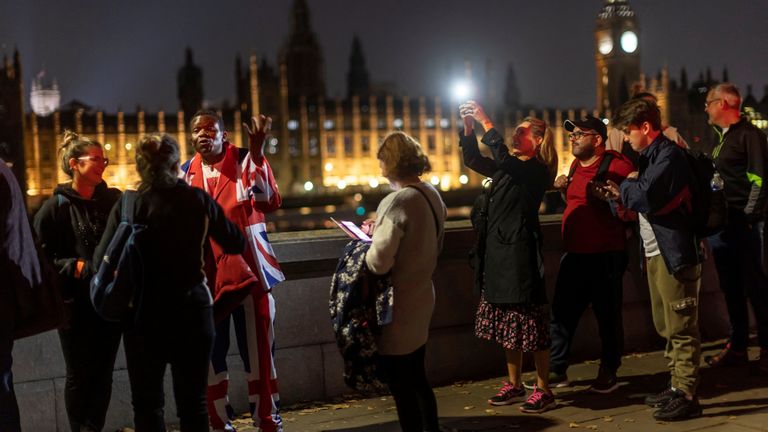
320, 145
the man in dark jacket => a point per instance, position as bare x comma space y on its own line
18, 256
661, 194
741, 159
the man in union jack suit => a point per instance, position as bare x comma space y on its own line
241, 181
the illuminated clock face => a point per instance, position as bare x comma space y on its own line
605, 45
629, 41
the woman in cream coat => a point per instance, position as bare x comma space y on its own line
407, 239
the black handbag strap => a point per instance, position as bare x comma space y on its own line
429, 203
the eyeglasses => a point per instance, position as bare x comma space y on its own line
578, 135
95, 159
709, 102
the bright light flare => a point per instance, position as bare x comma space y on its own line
462, 90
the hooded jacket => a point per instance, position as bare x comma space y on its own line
69, 227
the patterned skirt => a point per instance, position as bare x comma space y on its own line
519, 327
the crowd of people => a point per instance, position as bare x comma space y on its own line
638, 176
219, 269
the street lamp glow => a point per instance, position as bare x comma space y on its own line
328, 166
341, 184
463, 179
462, 90
435, 180
373, 182
308, 186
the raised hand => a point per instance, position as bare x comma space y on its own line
476, 111
257, 135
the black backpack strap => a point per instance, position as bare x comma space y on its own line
605, 164
429, 203
128, 204
572, 170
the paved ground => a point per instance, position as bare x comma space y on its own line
733, 400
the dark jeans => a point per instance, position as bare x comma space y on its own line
586, 279
183, 338
407, 380
90, 346
9, 409
739, 258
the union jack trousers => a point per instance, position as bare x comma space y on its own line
254, 334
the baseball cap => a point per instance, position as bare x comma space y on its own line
588, 122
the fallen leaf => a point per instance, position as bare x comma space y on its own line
607, 419
573, 425
469, 407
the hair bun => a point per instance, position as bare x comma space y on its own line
68, 138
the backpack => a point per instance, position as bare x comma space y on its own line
708, 207
602, 170
116, 287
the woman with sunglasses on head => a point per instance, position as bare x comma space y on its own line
508, 263
69, 225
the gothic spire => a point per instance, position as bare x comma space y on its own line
358, 80
511, 90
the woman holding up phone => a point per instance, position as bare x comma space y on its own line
509, 268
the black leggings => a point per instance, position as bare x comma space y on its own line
89, 346
414, 399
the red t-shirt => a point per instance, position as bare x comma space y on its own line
588, 224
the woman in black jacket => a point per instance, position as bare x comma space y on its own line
70, 225
174, 323
508, 262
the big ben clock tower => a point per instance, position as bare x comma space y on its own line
617, 53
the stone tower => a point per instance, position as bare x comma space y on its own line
617, 53
358, 80
189, 83
302, 56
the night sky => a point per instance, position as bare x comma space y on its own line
110, 53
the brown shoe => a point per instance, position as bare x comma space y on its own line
727, 357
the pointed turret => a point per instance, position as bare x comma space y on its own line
683, 79
358, 80
749, 100
763, 105
302, 56
189, 85
511, 90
